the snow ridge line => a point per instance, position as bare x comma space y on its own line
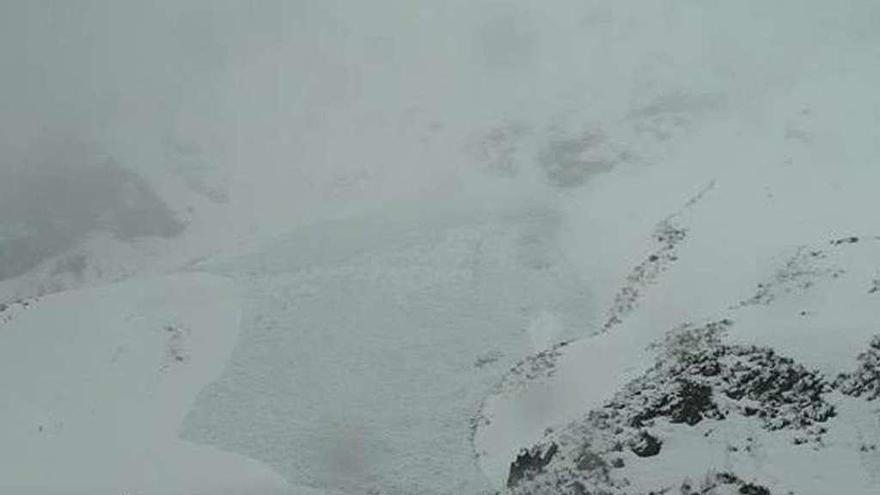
669, 236
542, 364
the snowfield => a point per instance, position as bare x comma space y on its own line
368, 344
97, 382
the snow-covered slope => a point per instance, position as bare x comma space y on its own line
367, 344
761, 217
679, 262
96, 383
777, 390
736, 352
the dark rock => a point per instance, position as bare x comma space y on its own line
691, 401
752, 489
529, 463
865, 381
590, 461
579, 488
646, 445
845, 240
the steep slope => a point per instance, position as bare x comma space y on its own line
765, 381
776, 393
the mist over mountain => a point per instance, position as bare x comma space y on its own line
398, 247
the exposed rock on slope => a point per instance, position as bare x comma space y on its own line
66, 194
696, 379
865, 381
752, 397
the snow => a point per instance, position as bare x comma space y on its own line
390, 257
757, 225
368, 344
97, 382
792, 172
587, 374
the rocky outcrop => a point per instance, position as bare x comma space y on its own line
865, 380
698, 377
530, 463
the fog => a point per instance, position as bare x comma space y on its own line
283, 109
291, 105
144, 137
290, 110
